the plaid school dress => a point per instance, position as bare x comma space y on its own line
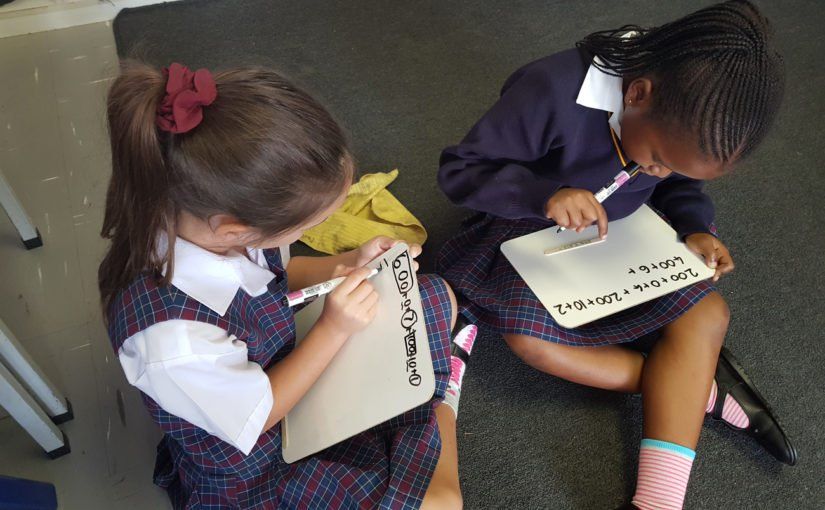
388, 466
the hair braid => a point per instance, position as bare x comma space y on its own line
715, 73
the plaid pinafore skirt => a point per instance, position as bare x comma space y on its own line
492, 294
388, 466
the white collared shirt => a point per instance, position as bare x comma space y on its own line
198, 371
602, 91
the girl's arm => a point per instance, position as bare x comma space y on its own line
347, 309
490, 170
681, 199
306, 271
292, 377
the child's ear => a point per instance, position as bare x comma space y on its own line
229, 230
639, 93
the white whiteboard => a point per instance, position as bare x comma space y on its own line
379, 373
641, 259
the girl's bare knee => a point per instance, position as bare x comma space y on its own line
715, 317
707, 320
453, 305
522, 346
443, 497
535, 352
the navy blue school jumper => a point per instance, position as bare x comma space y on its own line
534, 141
388, 466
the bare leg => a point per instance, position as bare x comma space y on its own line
609, 367
679, 372
444, 491
453, 305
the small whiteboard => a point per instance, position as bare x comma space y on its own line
641, 259
379, 373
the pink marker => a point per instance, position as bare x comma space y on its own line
628, 172
313, 291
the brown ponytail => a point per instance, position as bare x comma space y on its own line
136, 201
265, 153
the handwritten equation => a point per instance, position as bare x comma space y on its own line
662, 272
405, 280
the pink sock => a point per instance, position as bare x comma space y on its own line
465, 340
732, 412
664, 471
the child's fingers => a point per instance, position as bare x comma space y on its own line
575, 218
599, 216
384, 242
602, 221
415, 250
372, 312
591, 213
370, 300
353, 280
362, 292
722, 270
706, 249
711, 257
341, 270
725, 264
713, 261
562, 219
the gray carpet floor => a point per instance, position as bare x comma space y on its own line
407, 78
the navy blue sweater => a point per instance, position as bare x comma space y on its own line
537, 139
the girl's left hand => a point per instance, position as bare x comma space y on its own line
373, 248
715, 253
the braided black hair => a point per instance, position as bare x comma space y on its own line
715, 73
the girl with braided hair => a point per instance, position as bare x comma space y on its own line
687, 101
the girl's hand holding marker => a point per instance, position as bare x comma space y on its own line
352, 305
371, 250
354, 260
576, 209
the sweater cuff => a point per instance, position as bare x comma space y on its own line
530, 203
685, 230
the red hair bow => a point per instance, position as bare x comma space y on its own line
187, 93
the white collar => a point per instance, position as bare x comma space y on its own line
603, 92
214, 279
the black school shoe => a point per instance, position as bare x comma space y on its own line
764, 426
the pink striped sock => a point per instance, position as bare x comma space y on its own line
732, 412
465, 339
664, 471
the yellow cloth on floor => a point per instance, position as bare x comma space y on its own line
369, 210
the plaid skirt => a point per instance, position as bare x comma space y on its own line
387, 467
491, 293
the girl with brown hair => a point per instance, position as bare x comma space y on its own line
211, 174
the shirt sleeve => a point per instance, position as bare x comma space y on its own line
490, 170
198, 372
682, 200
